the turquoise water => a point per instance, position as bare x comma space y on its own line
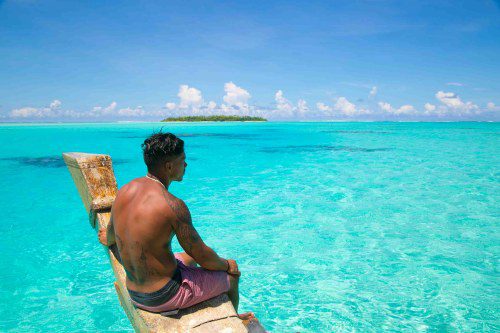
336, 226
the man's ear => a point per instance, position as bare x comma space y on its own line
168, 166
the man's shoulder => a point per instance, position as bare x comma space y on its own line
158, 201
173, 203
176, 207
131, 185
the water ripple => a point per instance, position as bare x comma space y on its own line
314, 148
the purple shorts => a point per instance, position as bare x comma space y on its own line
198, 285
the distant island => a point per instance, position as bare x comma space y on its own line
214, 118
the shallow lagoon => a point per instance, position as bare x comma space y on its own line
336, 226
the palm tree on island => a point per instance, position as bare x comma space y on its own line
213, 118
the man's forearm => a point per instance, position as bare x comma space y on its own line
208, 259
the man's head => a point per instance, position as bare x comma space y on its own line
164, 156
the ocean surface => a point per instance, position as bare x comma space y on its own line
345, 227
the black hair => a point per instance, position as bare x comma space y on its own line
160, 148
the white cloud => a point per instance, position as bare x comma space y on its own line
28, 112
132, 112
104, 111
373, 91
211, 105
236, 103
406, 109
191, 102
40, 113
449, 99
55, 104
111, 111
323, 107
285, 109
302, 108
235, 95
345, 107
456, 84
189, 97
491, 106
52, 111
342, 107
453, 104
110, 107
429, 107
385, 107
282, 104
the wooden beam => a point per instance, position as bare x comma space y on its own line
95, 180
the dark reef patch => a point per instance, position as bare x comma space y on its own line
356, 132
47, 161
315, 148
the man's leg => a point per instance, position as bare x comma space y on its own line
234, 297
233, 292
186, 259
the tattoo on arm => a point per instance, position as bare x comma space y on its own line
187, 235
183, 225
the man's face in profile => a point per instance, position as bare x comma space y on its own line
179, 167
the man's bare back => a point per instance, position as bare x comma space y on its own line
144, 218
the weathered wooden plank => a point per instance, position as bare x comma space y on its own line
94, 178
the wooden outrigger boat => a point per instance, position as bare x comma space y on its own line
94, 177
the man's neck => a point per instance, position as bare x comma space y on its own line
163, 180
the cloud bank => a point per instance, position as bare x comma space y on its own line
237, 101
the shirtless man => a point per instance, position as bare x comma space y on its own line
144, 218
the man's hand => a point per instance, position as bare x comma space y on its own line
233, 268
103, 236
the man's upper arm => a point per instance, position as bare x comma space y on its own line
187, 235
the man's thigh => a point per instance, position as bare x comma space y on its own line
186, 259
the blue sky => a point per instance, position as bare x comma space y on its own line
298, 60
